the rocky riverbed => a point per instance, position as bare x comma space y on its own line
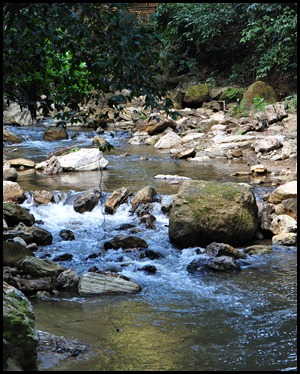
263, 144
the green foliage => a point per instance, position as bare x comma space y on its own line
259, 103
290, 103
63, 54
271, 34
232, 94
242, 42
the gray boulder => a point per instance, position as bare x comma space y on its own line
14, 214
87, 201
38, 267
206, 211
14, 252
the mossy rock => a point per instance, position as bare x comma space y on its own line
19, 335
207, 211
196, 95
232, 94
260, 89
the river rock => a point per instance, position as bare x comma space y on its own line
275, 112
56, 133
68, 280
14, 214
171, 176
286, 238
43, 196
86, 159
13, 192
283, 192
268, 143
95, 284
258, 249
287, 206
35, 285
233, 141
118, 197
38, 234
51, 166
100, 141
66, 234
14, 115
125, 242
10, 174
283, 224
258, 169
87, 201
143, 196
205, 211
155, 125
19, 335
11, 138
38, 267
14, 252
221, 249
218, 264
22, 162
167, 141
265, 214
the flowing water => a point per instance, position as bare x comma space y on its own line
243, 321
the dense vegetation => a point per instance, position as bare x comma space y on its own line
63, 54
241, 42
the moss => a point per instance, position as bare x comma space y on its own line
197, 94
260, 89
232, 94
17, 314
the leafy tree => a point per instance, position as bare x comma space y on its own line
237, 41
64, 54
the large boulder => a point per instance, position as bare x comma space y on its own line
196, 95
86, 159
19, 335
260, 89
206, 211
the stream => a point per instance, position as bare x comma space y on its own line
243, 321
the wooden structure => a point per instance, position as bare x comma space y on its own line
143, 9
